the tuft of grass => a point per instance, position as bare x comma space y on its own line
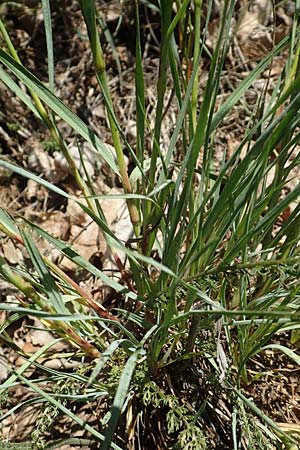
213, 266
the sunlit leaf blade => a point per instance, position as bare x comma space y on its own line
50, 399
32, 176
45, 276
282, 348
14, 87
49, 41
58, 107
119, 399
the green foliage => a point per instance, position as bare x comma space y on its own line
191, 438
215, 246
250, 429
50, 146
14, 446
179, 421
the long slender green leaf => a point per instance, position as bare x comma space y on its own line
14, 87
245, 84
27, 364
66, 411
58, 107
263, 416
7, 225
49, 41
46, 278
74, 256
32, 176
119, 399
290, 353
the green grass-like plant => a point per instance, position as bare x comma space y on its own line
226, 274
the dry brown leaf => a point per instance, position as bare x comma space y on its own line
86, 236
38, 159
3, 365
75, 213
11, 253
86, 240
57, 224
254, 37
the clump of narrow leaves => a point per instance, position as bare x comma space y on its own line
211, 273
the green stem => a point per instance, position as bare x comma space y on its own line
89, 14
55, 134
243, 266
30, 292
197, 26
52, 446
167, 27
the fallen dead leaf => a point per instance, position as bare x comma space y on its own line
3, 365
86, 236
11, 253
57, 224
86, 241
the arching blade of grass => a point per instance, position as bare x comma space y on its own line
46, 278
240, 168
43, 314
52, 187
27, 364
246, 83
39, 301
119, 399
72, 318
244, 181
49, 41
14, 87
49, 121
70, 253
8, 227
50, 399
58, 107
112, 239
74, 256
32, 176
264, 224
284, 349
265, 418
